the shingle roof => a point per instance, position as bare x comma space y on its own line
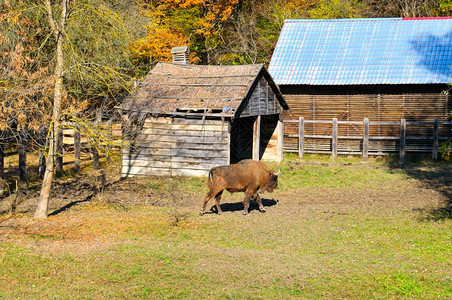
169, 87
364, 51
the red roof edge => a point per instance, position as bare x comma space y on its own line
426, 18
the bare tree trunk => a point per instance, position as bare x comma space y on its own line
58, 31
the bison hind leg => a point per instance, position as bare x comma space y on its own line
204, 203
246, 202
209, 196
217, 202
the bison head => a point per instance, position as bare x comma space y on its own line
273, 182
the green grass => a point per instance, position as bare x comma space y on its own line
350, 257
312, 244
322, 171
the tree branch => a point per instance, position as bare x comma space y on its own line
51, 18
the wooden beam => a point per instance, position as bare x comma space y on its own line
2, 161
59, 153
215, 76
94, 150
300, 137
334, 139
402, 140
182, 114
42, 135
201, 84
435, 139
366, 138
77, 148
256, 138
23, 144
280, 146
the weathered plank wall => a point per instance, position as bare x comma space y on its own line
177, 146
421, 103
262, 101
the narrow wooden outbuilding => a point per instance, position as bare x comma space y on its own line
186, 119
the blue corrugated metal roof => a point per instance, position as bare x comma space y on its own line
363, 51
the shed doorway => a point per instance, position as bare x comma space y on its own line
242, 133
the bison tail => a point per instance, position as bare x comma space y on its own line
209, 179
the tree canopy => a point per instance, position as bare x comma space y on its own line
246, 31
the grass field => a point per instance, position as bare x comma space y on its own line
341, 229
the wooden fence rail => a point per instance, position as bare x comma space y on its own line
70, 139
426, 143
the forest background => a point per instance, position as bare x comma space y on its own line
112, 43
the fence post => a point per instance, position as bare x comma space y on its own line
77, 147
366, 138
402, 139
23, 144
334, 138
300, 137
59, 153
280, 146
257, 138
2, 160
42, 144
96, 162
435, 139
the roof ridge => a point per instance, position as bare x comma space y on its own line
425, 18
343, 20
366, 19
191, 65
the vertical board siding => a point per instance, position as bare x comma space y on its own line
354, 103
177, 146
262, 101
364, 143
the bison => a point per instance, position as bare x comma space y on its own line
249, 176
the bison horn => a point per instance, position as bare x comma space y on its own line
279, 171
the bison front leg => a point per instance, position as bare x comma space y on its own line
259, 202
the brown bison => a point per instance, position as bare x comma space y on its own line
249, 176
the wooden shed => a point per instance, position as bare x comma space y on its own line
384, 70
190, 118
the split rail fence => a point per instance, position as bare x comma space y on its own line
365, 137
71, 141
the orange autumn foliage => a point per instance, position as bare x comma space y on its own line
195, 23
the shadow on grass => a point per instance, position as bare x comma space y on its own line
95, 190
436, 176
238, 206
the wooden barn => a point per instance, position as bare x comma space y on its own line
350, 69
190, 118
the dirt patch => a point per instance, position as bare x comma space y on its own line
73, 223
